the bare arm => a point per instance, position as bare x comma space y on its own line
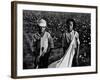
78, 46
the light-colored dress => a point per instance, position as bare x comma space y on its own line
66, 60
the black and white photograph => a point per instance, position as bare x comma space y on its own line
54, 38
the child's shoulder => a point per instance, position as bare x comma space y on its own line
77, 34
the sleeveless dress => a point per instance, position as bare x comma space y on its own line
66, 60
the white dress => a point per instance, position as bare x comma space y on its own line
66, 60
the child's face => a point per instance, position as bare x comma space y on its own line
43, 28
70, 26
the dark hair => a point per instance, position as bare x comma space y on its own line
71, 20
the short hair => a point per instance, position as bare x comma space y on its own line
71, 20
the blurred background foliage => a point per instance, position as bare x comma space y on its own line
56, 22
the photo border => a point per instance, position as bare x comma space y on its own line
14, 37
